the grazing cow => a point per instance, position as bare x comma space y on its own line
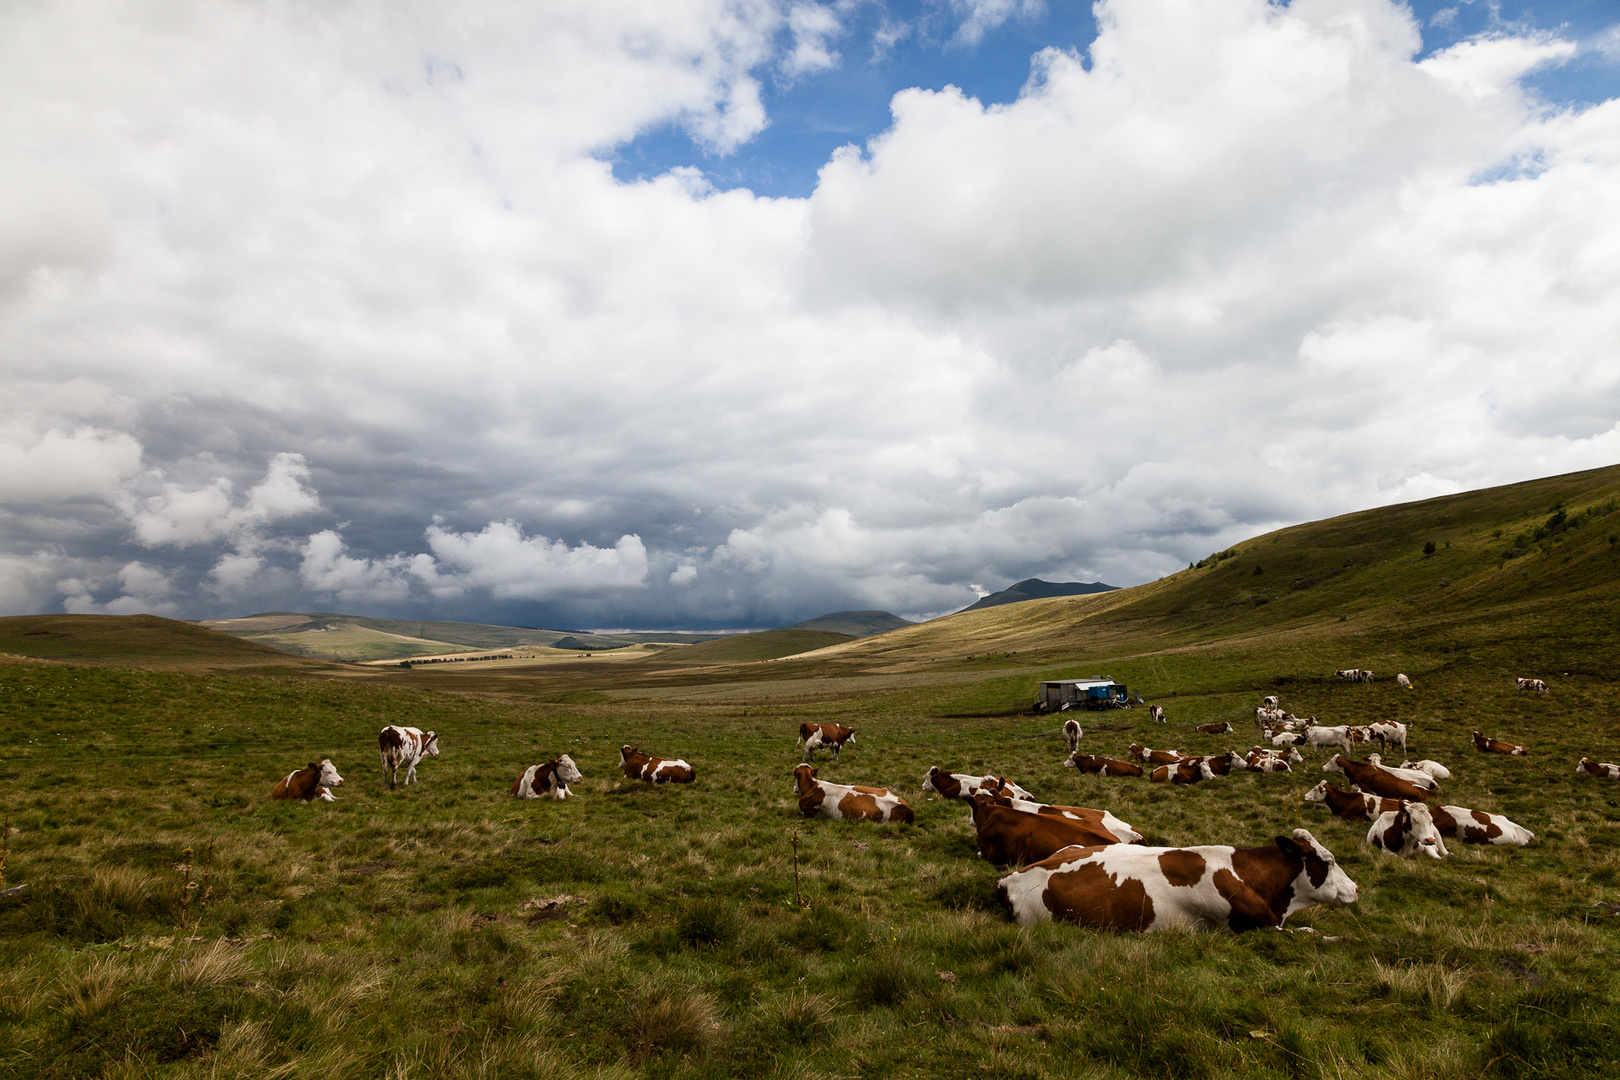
1403, 682
1417, 776
1598, 768
1072, 734
1142, 888
1407, 831
405, 746
1100, 766
1487, 745
846, 802
1157, 713
1350, 805
313, 781
1388, 733
654, 770
1185, 771
1264, 761
1478, 827
552, 779
1378, 781
1319, 738
1433, 768
1214, 729
1535, 685
1349, 674
1271, 701
1012, 835
831, 737
965, 785
1154, 757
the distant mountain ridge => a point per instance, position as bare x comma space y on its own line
1036, 589
855, 624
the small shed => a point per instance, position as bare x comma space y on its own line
1097, 692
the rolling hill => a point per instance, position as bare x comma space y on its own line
855, 624
1036, 589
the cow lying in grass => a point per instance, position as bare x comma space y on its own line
1154, 757
1601, 769
551, 778
313, 781
1214, 729
1124, 887
966, 785
1350, 805
846, 802
1013, 832
1378, 781
654, 770
1454, 822
1092, 765
1421, 777
1261, 760
1433, 768
1533, 685
1407, 831
1487, 745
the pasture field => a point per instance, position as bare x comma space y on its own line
179, 924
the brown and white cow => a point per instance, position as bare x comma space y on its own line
1288, 754
1353, 805
831, 737
1378, 781
1535, 685
1271, 701
551, 778
1487, 745
1011, 835
1185, 771
1265, 761
1214, 729
1387, 733
1156, 713
1601, 769
654, 770
404, 746
1433, 768
1407, 831
1478, 827
313, 781
847, 802
1123, 887
1123, 831
1420, 777
1092, 765
1154, 757
1349, 674
1072, 734
966, 785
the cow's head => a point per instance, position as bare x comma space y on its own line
430, 743
1423, 831
804, 779
1335, 765
626, 753
1318, 794
566, 771
1321, 880
329, 773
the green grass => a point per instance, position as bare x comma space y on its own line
447, 930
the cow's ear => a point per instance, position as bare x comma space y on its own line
1290, 847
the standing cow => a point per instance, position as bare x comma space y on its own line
831, 737
1157, 713
1072, 734
405, 746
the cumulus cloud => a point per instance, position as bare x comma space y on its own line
1238, 264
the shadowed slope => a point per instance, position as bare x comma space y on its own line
145, 641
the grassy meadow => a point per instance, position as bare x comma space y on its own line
177, 923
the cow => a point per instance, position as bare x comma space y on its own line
1478, 827
1288, 738
1487, 745
1265, 715
1407, 831
1535, 685
1349, 674
1319, 738
1157, 713
1292, 756
1417, 776
654, 770
1072, 734
965, 785
1271, 701
1141, 888
314, 781
1601, 769
1375, 780
1433, 768
1264, 761
1214, 729
1123, 831
1100, 766
845, 802
551, 778
831, 737
1185, 771
1154, 757
1388, 733
405, 746
1351, 805
1012, 836
1403, 682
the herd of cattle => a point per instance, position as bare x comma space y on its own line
1081, 865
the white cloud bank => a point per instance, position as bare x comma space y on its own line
1241, 265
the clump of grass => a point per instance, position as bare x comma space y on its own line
669, 1020
706, 923
803, 1017
887, 977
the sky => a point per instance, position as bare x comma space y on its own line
730, 313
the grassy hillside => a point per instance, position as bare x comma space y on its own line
857, 624
141, 640
447, 930
1036, 589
